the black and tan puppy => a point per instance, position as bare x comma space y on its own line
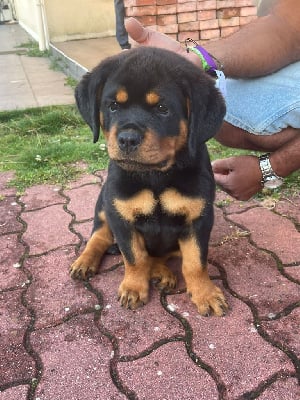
156, 111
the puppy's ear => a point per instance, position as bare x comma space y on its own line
206, 112
88, 93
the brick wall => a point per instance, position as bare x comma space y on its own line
200, 20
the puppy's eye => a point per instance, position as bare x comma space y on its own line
114, 106
162, 108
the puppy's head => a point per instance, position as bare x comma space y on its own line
151, 105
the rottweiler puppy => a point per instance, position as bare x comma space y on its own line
156, 111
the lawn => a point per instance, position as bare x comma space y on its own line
50, 144
47, 144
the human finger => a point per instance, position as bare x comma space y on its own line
221, 166
148, 37
221, 180
136, 30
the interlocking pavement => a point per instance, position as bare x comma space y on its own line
70, 340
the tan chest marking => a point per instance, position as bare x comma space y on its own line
143, 203
175, 203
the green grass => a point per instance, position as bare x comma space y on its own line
49, 145
32, 49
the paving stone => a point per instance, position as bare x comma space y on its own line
285, 330
233, 335
6, 191
53, 295
84, 228
45, 90
267, 235
15, 363
41, 196
15, 86
47, 229
55, 299
9, 210
293, 272
283, 389
289, 208
18, 392
75, 357
102, 174
168, 373
231, 205
84, 179
253, 274
10, 273
83, 201
222, 229
135, 330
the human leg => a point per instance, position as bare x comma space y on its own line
266, 105
262, 114
121, 33
232, 136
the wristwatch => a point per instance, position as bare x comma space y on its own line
269, 179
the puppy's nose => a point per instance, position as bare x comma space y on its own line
129, 141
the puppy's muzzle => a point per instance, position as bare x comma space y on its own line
129, 141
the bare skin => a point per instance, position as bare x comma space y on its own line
241, 176
245, 55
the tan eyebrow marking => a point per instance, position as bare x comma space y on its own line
152, 98
121, 96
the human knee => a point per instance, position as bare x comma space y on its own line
232, 136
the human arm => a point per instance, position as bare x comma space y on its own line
241, 176
238, 176
286, 159
261, 47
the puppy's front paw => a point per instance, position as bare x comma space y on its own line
84, 267
209, 300
165, 279
133, 295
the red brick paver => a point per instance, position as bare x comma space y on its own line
65, 339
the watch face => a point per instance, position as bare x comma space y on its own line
273, 183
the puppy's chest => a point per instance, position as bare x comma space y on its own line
168, 205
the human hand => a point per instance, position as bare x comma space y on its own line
239, 176
148, 37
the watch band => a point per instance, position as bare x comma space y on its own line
268, 175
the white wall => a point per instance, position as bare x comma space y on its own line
68, 19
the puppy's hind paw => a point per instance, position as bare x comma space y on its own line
164, 278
